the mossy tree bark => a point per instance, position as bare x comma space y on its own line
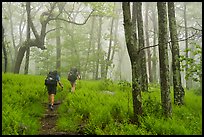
163, 60
132, 51
178, 89
135, 41
142, 62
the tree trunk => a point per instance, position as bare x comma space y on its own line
27, 60
37, 42
115, 39
47, 58
116, 43
4, 51
21, 52
132, 51
19, 58
94, 61
144, 82
147, 42
154, 58
28, 38
13, 37
99, 47
89, 48
135, 40
163, 59
201, 76
103, 73
134, 23
22, 25
178, 89
188, 81
58, 48
108, 61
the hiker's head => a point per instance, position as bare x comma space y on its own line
73, 68
55, 71
50, 72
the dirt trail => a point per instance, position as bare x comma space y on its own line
48, 121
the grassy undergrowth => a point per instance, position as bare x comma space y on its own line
21, 104
96, 108
105, 108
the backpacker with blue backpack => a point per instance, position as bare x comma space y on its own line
51, 79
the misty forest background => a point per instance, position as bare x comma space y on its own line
145, 44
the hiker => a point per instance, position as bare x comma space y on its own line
51, 84
73, 75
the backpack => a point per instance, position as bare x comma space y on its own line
51, 79
72, 76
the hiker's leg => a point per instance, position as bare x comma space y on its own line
52, 99
49, 98
73, 86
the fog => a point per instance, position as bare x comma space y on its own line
83, 43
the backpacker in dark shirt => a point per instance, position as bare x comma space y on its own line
51, 79
72, 74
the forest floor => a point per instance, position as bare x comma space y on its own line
48, 121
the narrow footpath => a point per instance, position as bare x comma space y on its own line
48, 121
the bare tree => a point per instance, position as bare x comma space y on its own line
10, 15
38, 41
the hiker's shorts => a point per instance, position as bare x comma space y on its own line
51, 89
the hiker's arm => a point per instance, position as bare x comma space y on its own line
60, 84
79, 77
58, 79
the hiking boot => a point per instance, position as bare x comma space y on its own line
51, 107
